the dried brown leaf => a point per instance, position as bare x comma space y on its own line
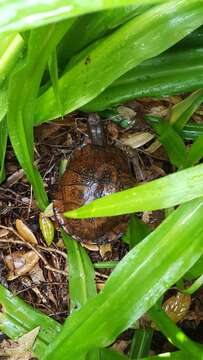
21, 349
20, 263
90, 246
3, 233
25, 232
105, 250
137, 139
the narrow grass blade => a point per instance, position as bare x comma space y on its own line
173, 143
11, 49
165, 192
136, 231
195, 286
175, 72
144, 36
175, 334
3, 100
82, 285
26, 81
26, 14
137, 282
141, 343
195, 271
195, 153
191, 131
106, 264
182, 112
3, 144
53, 70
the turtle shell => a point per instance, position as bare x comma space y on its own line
93, 172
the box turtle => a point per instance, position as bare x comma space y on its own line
95, 170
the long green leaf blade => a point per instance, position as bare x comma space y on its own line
10, 52
173, 143
81, 273
94, 26
28, 14
142, 280
172, 332
82, 286
171, 73
165, 192
143, 37
182, 112
196, 152
3, 144
25, 81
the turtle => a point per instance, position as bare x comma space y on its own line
95, 169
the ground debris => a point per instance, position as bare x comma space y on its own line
20, 349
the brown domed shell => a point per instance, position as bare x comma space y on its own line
93, 172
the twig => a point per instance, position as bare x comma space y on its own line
23, 242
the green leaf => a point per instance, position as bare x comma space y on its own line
190, 132
94, 26
3, 144
173, 143
82, 285
182, 112
195, 286
3, 100
17, 318
195, 153
113, 355
136, 284
144, 36
196, 270
175, 334
53, 70
25, 81
11, 50
165, 192
26, 14
141, 343
137, 230
175, 72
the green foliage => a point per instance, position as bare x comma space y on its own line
26, 81
141, 343
182, 112
178, 338
94, 26
105, 58
172, 142
26, 14
175, 72
136, 284
3, 143
81, 273
144, 36
17, 318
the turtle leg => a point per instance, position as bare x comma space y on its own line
58, 212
